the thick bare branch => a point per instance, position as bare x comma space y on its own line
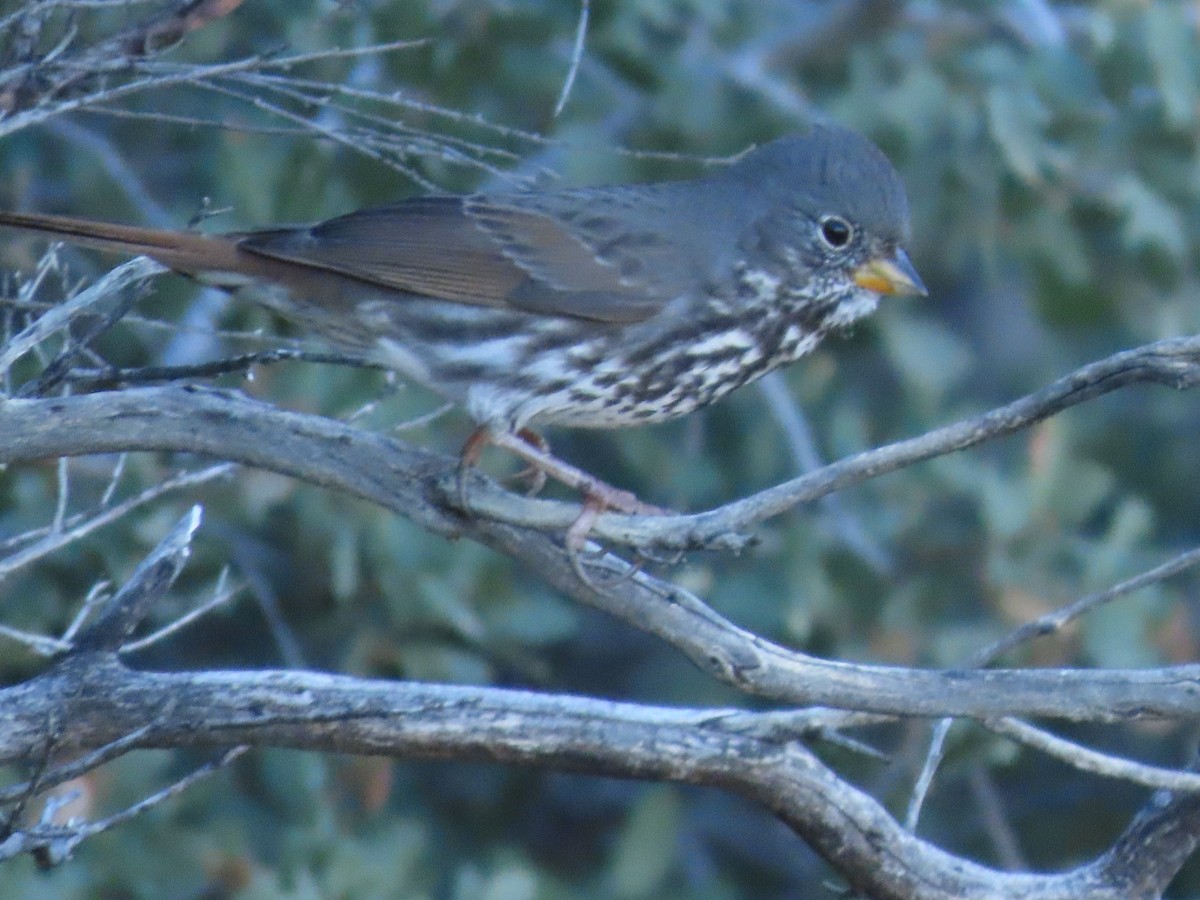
737, 751
411, 483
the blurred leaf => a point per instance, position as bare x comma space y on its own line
511, 883
1073, 491
645, 849
273, 885
1171, 46
1130, 525
1068, 83
438, 662
533, 618
928, 354
1016, 117
1007, 506
1117, 635
345, 571
377, 864
292, 782
1149, 220
1048, 237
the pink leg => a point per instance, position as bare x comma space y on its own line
607, 496
598, 496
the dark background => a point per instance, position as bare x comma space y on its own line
1050, 153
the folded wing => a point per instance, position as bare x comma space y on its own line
517, 251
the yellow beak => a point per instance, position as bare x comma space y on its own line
894, 275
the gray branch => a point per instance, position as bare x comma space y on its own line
747, 753
411, 482
761, 756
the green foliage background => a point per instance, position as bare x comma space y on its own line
1050, 152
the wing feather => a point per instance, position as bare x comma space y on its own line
475, 250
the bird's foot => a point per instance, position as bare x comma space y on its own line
533, 448
533, 476
598, 496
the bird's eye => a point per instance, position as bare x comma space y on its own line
836, 232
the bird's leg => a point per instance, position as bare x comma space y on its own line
533, 475
469, 457
602, 493
598, 495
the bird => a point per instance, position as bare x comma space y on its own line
590, 307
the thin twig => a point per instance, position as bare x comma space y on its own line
221, 596
55, 844
1087, 760
1044, 625
576, 57
60, 316
1054, 622
56, 540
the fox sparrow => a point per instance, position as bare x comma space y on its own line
593, 307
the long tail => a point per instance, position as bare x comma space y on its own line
184, 251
